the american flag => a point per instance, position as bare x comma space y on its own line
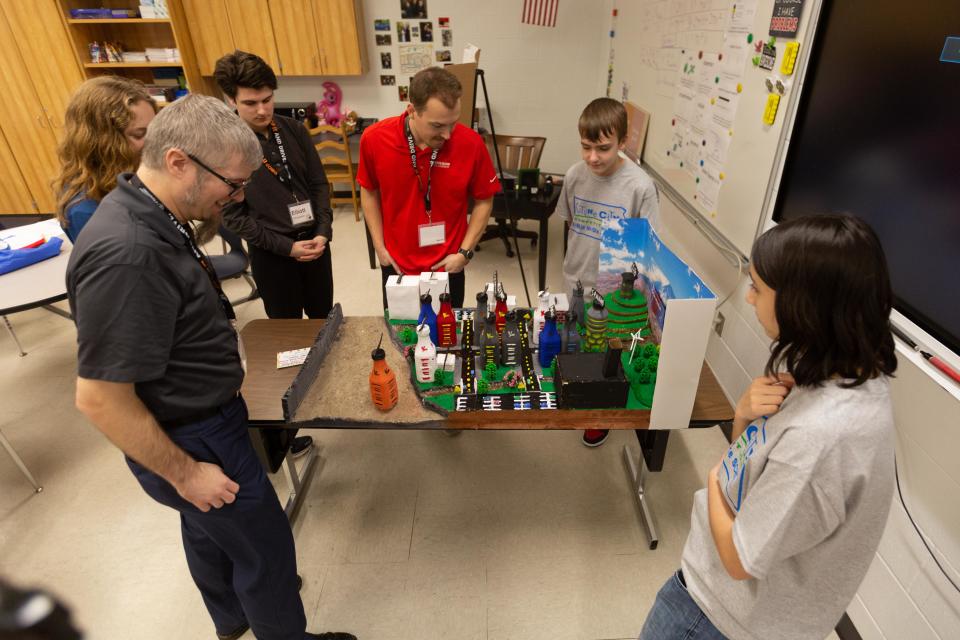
542, 13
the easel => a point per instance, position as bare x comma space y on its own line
465, 73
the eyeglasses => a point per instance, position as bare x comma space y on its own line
235, 186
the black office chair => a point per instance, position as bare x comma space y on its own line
234, 264
516, 152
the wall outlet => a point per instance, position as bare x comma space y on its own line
718, 324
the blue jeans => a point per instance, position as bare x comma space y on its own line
675, 615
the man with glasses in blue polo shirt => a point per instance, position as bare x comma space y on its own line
159, 367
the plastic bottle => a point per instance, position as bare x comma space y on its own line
576, 303
383, 381
428, 316
481, 313
596, 337
446, 323
549, 340
424, 355
501, 309
539, 315
510, 342
489, 341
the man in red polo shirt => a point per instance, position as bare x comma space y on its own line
417, 172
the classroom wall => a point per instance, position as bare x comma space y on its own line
539, 78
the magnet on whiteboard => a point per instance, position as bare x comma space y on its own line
749, 38
722, 175
739, 87
769, 83
713, 101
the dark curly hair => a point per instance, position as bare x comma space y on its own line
833, 299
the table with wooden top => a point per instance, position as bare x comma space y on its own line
265, 386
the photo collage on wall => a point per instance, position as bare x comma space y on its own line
415, 40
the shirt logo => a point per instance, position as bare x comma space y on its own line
732, 472
441, 164
590, 218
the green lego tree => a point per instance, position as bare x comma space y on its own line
639, 364
482, 386
643, 377
438, 376
490, 371
649, 350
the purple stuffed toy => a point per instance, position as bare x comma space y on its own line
328, 109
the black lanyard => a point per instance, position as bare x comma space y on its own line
413, 160
283, 174
194, 250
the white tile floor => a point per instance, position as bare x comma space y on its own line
413, 535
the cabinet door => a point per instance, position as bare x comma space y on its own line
41, 36
25, 125
296, 34
14, 195
252, 30
210, 32
340, 39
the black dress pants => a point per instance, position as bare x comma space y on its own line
241, 556
291, 288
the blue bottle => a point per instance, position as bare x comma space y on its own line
428, 316
549, 340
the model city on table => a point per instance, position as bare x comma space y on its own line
576, 353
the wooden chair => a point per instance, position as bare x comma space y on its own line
516, 152
334, 149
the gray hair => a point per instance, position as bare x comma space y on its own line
204, 127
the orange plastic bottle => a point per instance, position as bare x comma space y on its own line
383, 381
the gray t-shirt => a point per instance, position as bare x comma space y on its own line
811, 488
588, 201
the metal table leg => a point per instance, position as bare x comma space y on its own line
14, 336
637, 470
16, 458
298, 481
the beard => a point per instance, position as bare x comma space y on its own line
206, 229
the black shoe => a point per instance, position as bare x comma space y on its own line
233, 635
330, 635
300, 446
242, 629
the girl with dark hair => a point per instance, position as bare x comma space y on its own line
792, 515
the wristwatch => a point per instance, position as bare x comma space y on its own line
466, 253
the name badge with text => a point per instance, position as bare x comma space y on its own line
300, 212
432, 234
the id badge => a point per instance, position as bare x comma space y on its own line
300, 212
432, 234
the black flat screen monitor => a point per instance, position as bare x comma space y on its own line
877, 135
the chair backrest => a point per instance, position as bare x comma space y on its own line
333, 147
516, 152
232, 264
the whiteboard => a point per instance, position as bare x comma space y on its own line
689, 63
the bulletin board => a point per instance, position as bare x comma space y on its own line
691, 65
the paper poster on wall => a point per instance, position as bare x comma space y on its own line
403, 31
426, 32
384, 40
742, 14
443, 56
414, 57
381, 24
443, 23
446, 37
413, 9
386, 60
388, 81
403, 92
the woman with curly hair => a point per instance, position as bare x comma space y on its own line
105, 123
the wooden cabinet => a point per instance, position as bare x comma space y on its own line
38, 76
295, 37
340, 34
136, 34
